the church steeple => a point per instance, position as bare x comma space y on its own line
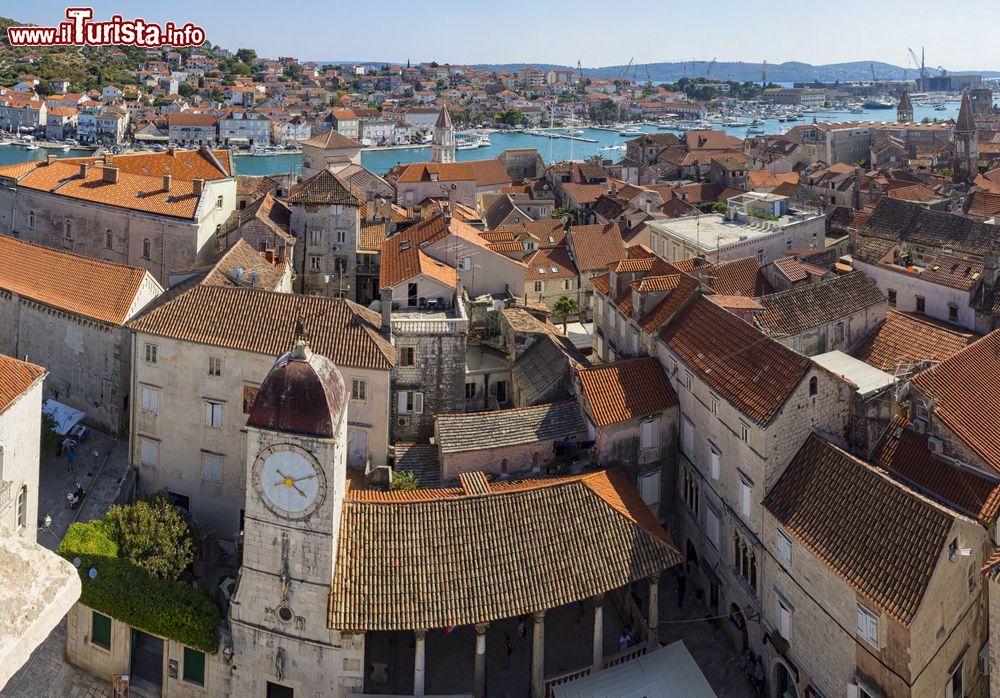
443, 143
904, 110
966, 165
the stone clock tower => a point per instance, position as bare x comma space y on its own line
295, 480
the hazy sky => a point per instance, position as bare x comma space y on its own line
597, 32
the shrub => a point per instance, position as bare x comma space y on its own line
152, 535
131, 595
404, 481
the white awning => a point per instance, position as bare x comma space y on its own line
669, 672
65, 416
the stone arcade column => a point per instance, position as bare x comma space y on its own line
420, 637
538, 655
479, 689
598, 633
654, 611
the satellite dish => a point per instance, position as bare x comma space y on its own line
238, 272
92, 573
254, 278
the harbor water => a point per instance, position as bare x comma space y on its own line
608, 144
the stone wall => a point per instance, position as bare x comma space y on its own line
333, 255
20, 435
438, 372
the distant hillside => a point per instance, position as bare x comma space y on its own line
791, 71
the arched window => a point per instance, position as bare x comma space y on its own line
31, 220
813, 386
68, 231
147, 247
109, 239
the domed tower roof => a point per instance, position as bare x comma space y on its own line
303, 393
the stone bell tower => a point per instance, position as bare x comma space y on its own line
904, 110
296, 474
443, 143
966, 165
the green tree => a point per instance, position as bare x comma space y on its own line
404, 481
43, 88
564, 308
567, 214
240, 68
50, 439
245, 55
511, 117
595, 158
604, 111
152, 535
186, 89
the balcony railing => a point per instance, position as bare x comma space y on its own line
436, 326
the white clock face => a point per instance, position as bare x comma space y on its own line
290, 482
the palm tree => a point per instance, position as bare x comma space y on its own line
563, 308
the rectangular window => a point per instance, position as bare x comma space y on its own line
316, 237
955, 684
649, 488
538, 287
715, 405
687, 379
715, 457
952, 312
784, 545
211, 467
712, 526
687, 437
891, 292
470, 391
920, 304
150, 400
746, 491
760, 256
149, 452
411, 401
784, 620
213, 414
314, 264
650, 434
359, 389
194, 666
744, 432
868, 625
341, 237
215, 366
465, 263
100, 630
152, 353
218, 202
407, 357
22, 506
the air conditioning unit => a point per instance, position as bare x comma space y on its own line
984, 659
936, 445
403, 421
919, 425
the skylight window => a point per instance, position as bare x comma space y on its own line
541, 270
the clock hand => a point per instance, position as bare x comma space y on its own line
305, 477
301, 493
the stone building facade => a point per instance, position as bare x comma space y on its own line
73, 323
118, 214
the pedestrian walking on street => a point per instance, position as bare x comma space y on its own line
70, 453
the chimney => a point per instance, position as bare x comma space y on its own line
199, 185
83, 170
446, 209
50, 158
166, 182
385, 300
171, 150
110, 175
269, 256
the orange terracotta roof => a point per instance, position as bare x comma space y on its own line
596, 246
16, 377
591, 534
555, 262
966, 401
684, 288
89, 287
740, 277
134, 192
264, 322
909, 339
831, 502
906, 454
625, 390
751, 371
482, 172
